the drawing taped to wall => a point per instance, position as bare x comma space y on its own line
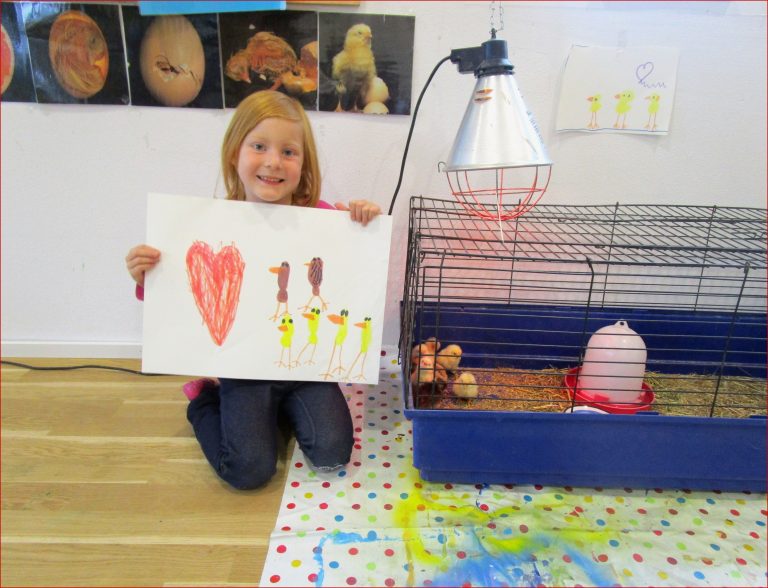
237, 337
609, 90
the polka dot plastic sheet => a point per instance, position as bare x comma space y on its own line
377, 523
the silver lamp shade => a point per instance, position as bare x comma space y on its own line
497, 131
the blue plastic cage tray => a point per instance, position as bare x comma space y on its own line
643, 450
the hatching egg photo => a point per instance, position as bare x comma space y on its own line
78, 53
172, 60
6, 59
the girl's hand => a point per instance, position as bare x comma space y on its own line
362, 211
140, 259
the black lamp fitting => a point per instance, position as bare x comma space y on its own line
488, 59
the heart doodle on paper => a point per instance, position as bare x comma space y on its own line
643, 71
215, 279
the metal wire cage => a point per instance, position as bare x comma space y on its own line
499, 194
521, 298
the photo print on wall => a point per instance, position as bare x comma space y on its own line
173, 60
17, 83
269, 51
366, 63
76, 52
84, 53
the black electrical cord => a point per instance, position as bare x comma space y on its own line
77, 367
410, 131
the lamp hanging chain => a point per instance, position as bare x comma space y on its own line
494, 30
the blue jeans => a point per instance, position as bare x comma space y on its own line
236, 425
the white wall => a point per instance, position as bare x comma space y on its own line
75, 178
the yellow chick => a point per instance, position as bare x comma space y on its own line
354, 68
449, 357
465, 386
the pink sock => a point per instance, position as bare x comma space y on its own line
192, 389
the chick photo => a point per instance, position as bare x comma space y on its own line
365, 63
269, 51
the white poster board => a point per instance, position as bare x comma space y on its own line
618, 90
222, 302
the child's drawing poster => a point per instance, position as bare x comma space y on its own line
259, 291
624, 90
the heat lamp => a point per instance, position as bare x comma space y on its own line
498, 167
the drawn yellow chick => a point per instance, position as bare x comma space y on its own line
286, 326
313, 323
340, 320
596, 105
623, 106
653, 109
365, 341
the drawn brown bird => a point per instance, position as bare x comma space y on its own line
354, 68
315, 277
283, 273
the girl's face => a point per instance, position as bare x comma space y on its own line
270, 161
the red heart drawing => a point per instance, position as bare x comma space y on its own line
215, 279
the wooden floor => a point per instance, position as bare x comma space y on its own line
103, 483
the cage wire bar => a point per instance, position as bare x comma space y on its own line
523, 297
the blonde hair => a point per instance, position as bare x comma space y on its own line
249, 113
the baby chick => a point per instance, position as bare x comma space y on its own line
465, 386
449, 357
354, 68
426, 349
426, 372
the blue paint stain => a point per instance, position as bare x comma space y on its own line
699, 575
337, 537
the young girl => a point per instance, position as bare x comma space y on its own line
268, 155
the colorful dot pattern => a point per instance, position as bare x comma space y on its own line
377, 523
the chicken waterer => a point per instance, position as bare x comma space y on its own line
614, 365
